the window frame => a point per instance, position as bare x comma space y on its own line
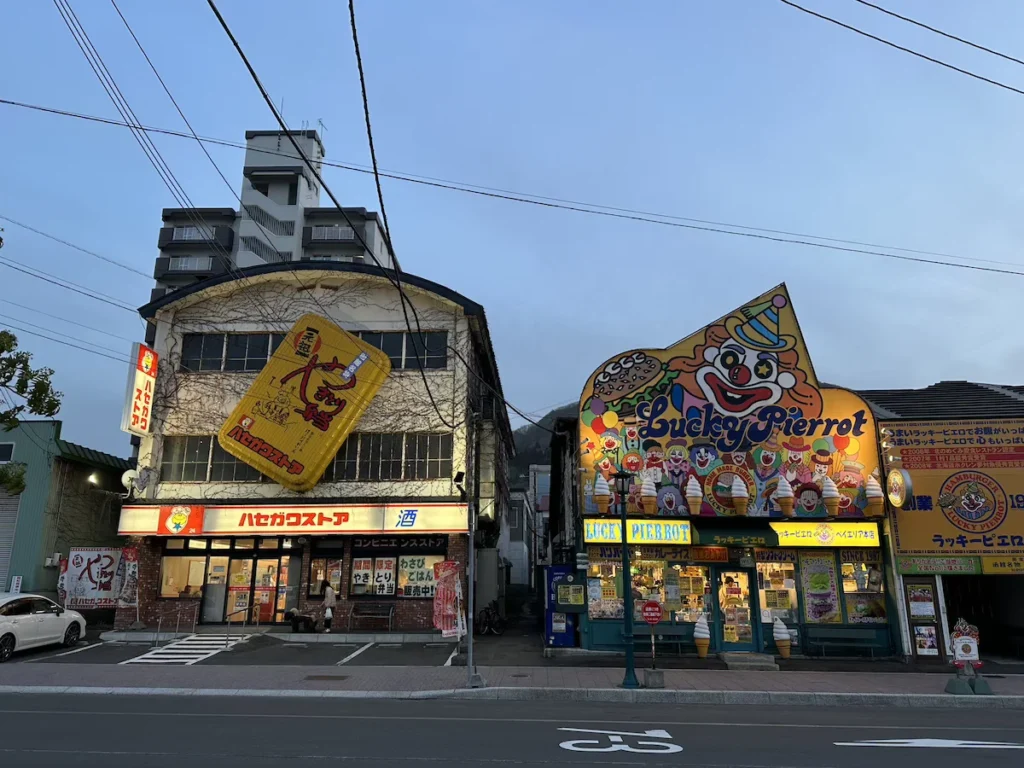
11, 458
364, 458
433, 359
274, 340
183, 463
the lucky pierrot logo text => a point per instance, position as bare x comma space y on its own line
739, 398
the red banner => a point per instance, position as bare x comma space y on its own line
448, 599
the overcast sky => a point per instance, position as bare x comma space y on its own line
740, 111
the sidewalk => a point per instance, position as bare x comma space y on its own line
594, 684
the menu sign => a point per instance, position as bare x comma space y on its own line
362, 574
416, 576
384, 576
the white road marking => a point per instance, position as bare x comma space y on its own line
64, 653
617, 743
455, 650
931, 743
354, 654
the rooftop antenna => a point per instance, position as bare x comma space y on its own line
320, 123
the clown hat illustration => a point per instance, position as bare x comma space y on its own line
759, 328
796, 445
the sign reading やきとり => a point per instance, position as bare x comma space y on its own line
305, 402
968, 489
732, 410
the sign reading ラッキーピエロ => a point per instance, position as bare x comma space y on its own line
305, 402
968, 491
137, 416
734, 408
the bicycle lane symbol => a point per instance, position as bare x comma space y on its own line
618, 743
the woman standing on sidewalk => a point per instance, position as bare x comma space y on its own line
330, 601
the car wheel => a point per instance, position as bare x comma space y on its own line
72, 635
6, 647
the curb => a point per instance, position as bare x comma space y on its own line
142, 636
608, 695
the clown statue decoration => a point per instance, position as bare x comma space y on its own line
738, 400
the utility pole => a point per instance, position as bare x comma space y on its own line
622, 480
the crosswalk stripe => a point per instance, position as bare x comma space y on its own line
188, 651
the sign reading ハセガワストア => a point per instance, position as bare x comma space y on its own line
968, 487
736, 406
137, 417
304, 403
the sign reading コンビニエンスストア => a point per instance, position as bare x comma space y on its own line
137, 416
731, 411
305, 402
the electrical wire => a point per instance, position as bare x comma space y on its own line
917, 23
58, 333
65, 320
60, 281
593, 209
898, 47
76, 247
66, 343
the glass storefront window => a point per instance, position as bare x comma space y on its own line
197, 544
175, 544
245, 543
734, 604
321, 568
864, 592
820, 587
686, 592
776, 583
648, 580
182, 576
416, 575
270, 543
220, 544
604, 589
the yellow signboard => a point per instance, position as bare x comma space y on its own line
735, 406
968, 496
667, 532
1002, 564
827, 534
304, 403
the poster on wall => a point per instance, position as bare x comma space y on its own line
128, 572
416, 575
968, 492
304, 403
926, 640
384, 576
90, 578
921, 599
820, 586
362, 575
737, 405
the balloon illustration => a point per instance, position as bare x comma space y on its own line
821, 444
598, 425
853, 448
588, 417
610, 418
598, 406
840, 442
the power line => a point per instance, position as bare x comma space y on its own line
917, 23
58, 333
911, 51
76, 247
65, 320
67, 344
527, 198
60, 282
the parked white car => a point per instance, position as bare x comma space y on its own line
28, 621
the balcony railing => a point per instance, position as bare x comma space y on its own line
190, 263
334, 233
192, 233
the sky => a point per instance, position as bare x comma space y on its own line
739, 111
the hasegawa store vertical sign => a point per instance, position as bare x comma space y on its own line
137, 417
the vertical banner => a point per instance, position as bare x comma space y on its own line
128, 575
448, 615
137, 417
90, 577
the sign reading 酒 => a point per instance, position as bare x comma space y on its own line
304, 403
734, 407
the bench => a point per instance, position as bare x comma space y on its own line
382, 611
840, 637
664, 635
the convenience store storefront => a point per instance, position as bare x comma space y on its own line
815, 577
225, 564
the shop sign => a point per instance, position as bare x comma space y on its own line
709, 554
638, 532
775, 555
826, 534
384, 576
965, 644
898, 487
137, 416
315, 519
304, 403
737, 399
938, 565
738, 537
1002, 564
860, 555
90, 577
362, 571
968, 487
401, 542
642, 553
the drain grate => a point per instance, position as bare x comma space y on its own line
327, 677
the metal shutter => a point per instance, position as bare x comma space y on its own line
8, 522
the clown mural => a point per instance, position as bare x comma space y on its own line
737, 399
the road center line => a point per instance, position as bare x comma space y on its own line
354, 654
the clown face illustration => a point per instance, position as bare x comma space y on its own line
808, 498
819, 474
766, 463
670, 502
610, 443
632, 437
704, 458
737, 380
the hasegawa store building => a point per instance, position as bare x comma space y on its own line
754, 495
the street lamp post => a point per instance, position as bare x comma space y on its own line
622, 481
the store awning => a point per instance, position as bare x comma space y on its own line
712, 536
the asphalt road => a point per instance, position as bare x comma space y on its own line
115, 731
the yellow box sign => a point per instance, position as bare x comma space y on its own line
1005, 564
827, 534
667, 532
968, 481
304, 403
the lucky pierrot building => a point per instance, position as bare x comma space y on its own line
752, 490
219, 542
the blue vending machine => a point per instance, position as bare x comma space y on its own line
559, 626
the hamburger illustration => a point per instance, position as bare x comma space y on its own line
630, 379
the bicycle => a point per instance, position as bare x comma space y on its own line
489, 620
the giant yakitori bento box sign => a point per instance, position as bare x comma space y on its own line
733, 415
305, 402
968, 489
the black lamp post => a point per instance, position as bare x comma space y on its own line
622, 481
